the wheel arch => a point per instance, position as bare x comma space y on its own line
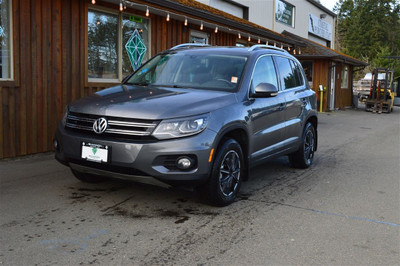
240, 134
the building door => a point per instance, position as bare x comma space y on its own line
332, 88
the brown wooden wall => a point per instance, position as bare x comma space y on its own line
50, 58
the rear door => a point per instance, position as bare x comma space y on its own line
295, 92
267, 115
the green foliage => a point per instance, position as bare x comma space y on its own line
370, 30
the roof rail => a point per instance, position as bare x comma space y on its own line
261, 46
189, 45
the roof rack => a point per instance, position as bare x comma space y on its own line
189, 45
261, 46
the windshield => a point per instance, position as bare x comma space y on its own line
189, 70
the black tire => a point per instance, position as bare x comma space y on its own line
88, 178
304, 156
226, 175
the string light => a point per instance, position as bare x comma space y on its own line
93, 2
121, 7
299, 51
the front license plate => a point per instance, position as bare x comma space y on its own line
95, 152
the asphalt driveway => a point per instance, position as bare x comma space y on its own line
345, 210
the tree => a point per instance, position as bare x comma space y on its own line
369, 30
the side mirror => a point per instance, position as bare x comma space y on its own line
264, 90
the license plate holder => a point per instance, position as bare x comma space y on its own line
95, 152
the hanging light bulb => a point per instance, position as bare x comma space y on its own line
124, 4
281, 46
121, 7
201, 26
259, 41
216, 29
185, 23
147, 11
266, 43
93, 2
288, 48
299, 51
167, 17
239, 36
294, 51
249, 39
274, 44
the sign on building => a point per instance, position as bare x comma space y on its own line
319, 27
284, 13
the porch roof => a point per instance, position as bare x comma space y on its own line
316, 50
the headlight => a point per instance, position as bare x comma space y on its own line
176, 128
65, 115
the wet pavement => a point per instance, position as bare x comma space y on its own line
345, 210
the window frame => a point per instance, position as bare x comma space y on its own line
102, 82
11, 77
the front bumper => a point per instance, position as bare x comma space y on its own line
138, 160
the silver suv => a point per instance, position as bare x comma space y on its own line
200, 116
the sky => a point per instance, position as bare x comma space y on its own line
328, 3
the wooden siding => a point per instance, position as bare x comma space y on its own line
321, 77
50, 66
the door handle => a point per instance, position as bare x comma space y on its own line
282, 106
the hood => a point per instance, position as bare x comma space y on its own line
153, 103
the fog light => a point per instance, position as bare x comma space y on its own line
184, 163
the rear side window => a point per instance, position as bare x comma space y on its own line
290, 74
264, 72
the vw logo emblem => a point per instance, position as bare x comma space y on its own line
100, 125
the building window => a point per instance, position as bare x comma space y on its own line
308, 70
345, 78
5, 40
284, 13
108, 33
198, 37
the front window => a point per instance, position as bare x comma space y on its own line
5, 39
192, 70
109, 58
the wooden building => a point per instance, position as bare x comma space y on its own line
329, 68
56, 51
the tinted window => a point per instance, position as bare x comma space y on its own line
288, 76
264, 72
297, 72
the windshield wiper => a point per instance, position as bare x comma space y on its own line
170, 86
138, 83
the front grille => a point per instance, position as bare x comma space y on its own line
117, 126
